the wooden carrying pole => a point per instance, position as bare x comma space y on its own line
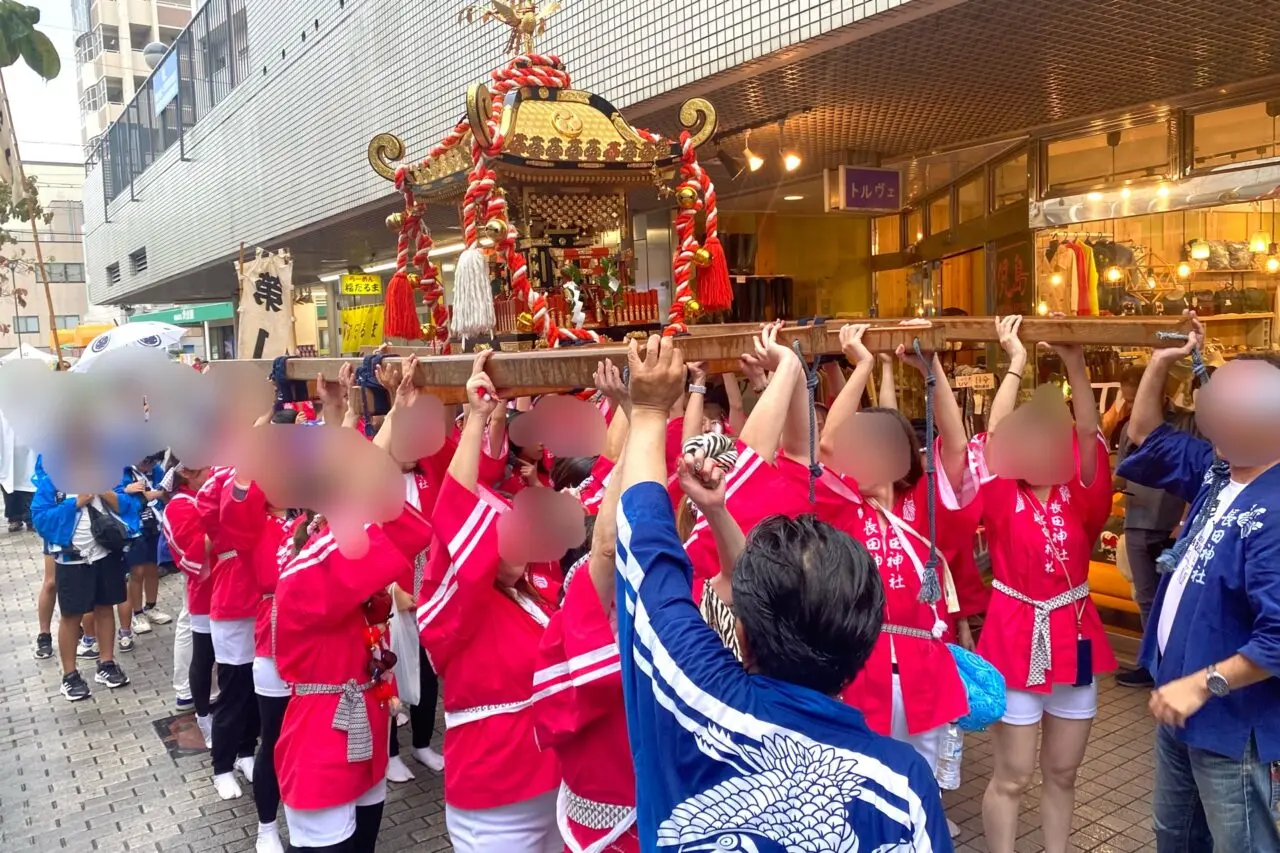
557, 370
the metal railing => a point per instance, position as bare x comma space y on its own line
207, 60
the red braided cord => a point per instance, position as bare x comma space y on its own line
682, 264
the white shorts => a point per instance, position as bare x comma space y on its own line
232, 641
527, 827
267, 681
200, 624
327, 827
1066, 702
928, 743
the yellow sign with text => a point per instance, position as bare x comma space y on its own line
361, 285
361, 327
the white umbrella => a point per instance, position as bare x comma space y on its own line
26, 350
145, 335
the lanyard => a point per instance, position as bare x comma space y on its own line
1038, 511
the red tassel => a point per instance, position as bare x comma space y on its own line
400, 317
715, 292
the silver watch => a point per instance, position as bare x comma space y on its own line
697, 389
1216, 682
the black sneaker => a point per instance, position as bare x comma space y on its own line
110, 674
74, 688
1136, 678
44, 646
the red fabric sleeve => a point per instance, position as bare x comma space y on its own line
184, 531
409, 532
593, 494
462, 569
579, 676
242, 521
1096, 498
347, 582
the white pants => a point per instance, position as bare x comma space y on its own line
1065, 702
182, 653
527, 827
927, 743
327, 827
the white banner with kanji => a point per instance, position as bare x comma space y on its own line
266, 306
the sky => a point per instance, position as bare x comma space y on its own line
47, 115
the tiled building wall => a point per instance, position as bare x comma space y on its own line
286, 149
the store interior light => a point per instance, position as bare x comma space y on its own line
1043, 309
1273, 265
438, 252
1259, 242
1094, 196
1200, 251
791, 161
1151, 278
1056, 279
1184, 270
1114, 274
1163, 191
793, 198
754, 161
1126, 192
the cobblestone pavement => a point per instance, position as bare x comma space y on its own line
96, 776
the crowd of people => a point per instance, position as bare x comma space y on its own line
763, 638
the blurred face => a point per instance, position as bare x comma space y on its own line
1239, 411
1034, 444
873, 449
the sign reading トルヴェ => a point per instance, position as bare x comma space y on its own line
864, 189
266, 306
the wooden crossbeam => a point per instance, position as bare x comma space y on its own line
1131, 332
557, 370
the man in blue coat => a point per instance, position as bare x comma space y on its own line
90, 573
1212, 643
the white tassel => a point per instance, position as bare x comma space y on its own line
473, 315
576, 314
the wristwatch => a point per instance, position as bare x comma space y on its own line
697, 389
1216, 682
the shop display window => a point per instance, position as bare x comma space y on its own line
971, 200
887, 234
1233, 136
940, 213
1009, 182
1135, 153
915, 226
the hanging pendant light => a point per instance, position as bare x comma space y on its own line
1114, 274
754, 161
791, 159
1273, 265
1199, 250
1184, 270
1259, 241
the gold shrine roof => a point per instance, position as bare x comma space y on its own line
563, 136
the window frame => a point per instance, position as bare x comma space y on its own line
19, 322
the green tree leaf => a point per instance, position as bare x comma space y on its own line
8, 55
40, 54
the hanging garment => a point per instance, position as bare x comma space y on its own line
1062, 296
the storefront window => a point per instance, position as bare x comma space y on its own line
940, 213
1107, 158
1235, 135
971, 200
915, 226
887, 235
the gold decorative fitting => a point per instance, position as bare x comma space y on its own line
687, 198
383, 149
394, 221
483, 347
701, 257
524, 19
495, 231
524, 322
698, 116
479, 110
566, 123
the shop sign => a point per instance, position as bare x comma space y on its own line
1013, 274
266, 306
164, 84
976, 381
361, 285
867, 190
361, 327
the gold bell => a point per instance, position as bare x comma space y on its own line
495, 231
692, 308
414, 279
524, 322
394, 221
687, 198
701, 257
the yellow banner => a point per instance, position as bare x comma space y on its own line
361, 327
361, 285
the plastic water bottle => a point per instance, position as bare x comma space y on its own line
950, 757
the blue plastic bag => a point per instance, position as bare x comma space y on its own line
985, 688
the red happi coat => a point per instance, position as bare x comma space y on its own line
321, 638
1022, 557
591, 492
235, 588
483, 642
754, 490
183, 528
932, 692
578, 713
264, 542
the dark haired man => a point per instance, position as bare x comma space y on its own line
1213, 641
762, 757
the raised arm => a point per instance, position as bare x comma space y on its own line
850, 398
608, 381
947, 416
694, 402
704, 482
763, 430
1006, 399
1148, 404
1085, 408
737, 412
482, 399
888, 397
834, 381
657, 379
334, 395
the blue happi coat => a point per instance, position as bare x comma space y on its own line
730, 761
1232, 602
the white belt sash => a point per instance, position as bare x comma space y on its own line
1041, 639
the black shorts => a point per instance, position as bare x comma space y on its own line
84, 586
142, 550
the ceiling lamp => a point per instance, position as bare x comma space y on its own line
1042, 309
1184, 270
1199, 250
1273, 265
790, 157
754, 160
1056, 279
1114, 274
1151, 278
1259, 241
